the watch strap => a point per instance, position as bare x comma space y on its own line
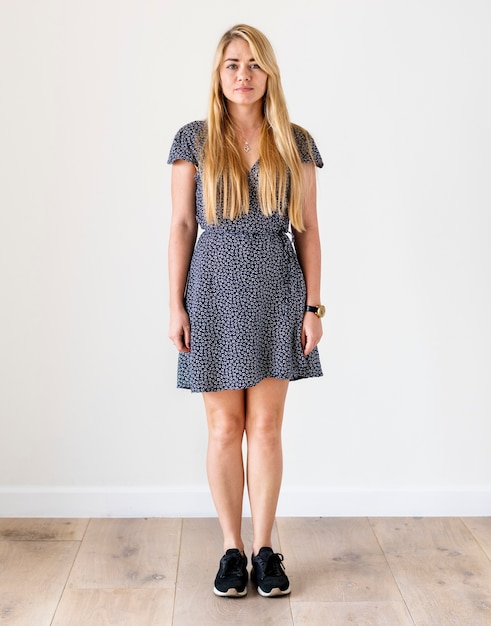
318, 309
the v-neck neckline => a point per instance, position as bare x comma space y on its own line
253, 166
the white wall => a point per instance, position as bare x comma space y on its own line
397, 95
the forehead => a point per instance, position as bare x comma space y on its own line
238, 49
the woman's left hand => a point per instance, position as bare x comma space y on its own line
311, 332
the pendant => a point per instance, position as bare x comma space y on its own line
247, 147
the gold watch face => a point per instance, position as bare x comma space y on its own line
321, 310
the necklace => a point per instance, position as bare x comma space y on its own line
247, 146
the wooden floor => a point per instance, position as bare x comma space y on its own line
159, 572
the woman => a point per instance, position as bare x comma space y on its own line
244, 304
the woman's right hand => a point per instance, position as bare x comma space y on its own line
180, 330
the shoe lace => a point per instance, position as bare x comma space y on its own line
230, 565
274, 565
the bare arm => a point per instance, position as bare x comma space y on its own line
307, 245
183, 232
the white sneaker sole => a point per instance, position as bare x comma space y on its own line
274, 592
231, 593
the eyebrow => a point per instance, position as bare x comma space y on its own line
237, 60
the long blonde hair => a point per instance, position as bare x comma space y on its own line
224, 174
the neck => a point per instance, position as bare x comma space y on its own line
246, 119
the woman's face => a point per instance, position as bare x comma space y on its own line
243, 81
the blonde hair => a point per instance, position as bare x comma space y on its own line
224, 174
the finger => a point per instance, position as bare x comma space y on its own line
303, 339
178, 342
182, 347
310, 344
187, 338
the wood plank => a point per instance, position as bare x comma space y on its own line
335, 560
443, 575
118, 607
32, 577
481, 529
201, 549
340, 613
126, 570
42, 529
128, 554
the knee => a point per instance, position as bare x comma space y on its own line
264, 432
225, 431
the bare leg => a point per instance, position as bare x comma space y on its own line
264, 417
225, 411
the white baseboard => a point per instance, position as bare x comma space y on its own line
196, 502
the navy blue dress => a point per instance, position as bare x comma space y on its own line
245, 294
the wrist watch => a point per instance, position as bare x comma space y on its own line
318, 309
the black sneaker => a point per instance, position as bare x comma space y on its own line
231, 579
268, 573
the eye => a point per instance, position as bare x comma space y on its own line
232, 66
255, 66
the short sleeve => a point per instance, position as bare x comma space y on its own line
187, 142
307, 148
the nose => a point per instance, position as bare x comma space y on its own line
244, 74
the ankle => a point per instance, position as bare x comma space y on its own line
257, 548
234, 546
